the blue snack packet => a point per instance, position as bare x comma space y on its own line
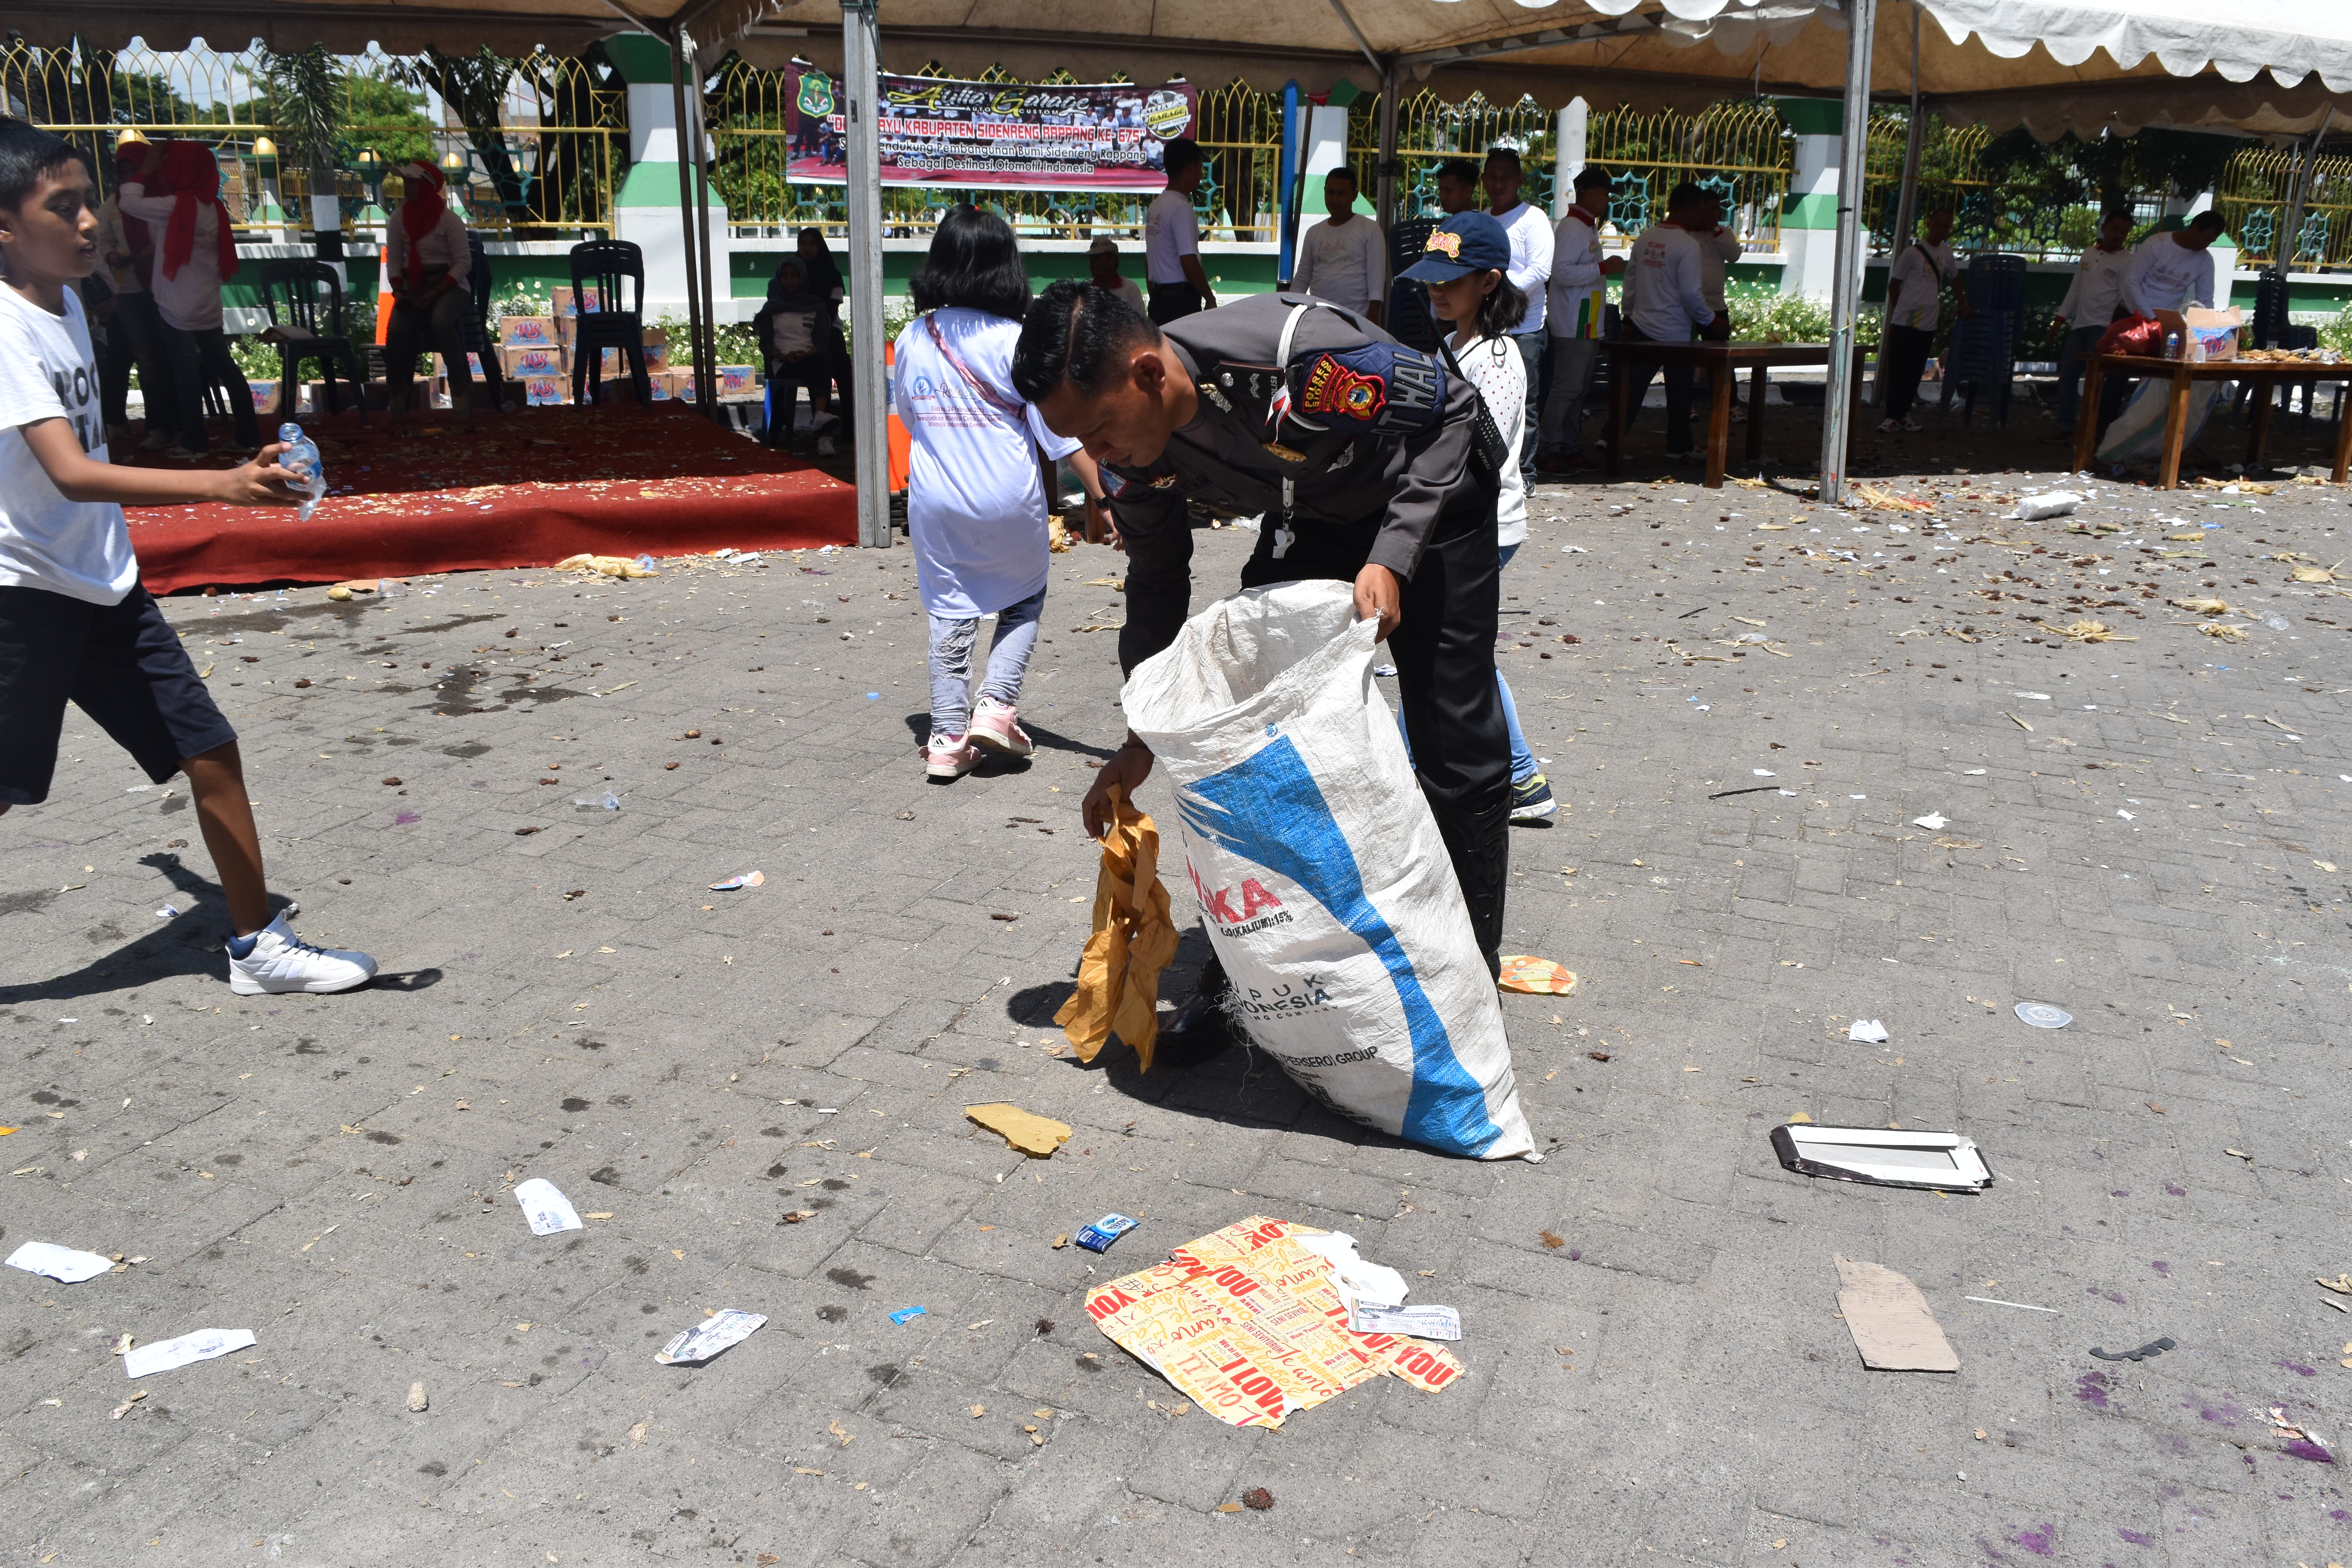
1097, 1237
905, 1315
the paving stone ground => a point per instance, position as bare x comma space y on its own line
2146, 832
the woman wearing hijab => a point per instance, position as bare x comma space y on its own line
180, 194
821, 276
432, 288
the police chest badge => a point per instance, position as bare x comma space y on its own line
1381, 387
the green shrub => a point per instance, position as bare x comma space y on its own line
1792, 319
2337, 335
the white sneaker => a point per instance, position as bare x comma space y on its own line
824, 447
280, 961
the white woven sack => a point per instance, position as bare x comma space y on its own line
2137, 434
1326, 887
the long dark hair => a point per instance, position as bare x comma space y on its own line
1501, 311
975, 262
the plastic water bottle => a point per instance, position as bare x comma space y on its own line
2172, 345
302, 460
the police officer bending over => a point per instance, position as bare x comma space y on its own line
1365, 458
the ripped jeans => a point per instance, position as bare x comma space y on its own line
952, 641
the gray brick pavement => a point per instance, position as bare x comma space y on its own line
1672, 1383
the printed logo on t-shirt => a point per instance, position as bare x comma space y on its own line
79, 394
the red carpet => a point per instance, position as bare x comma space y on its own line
525, 488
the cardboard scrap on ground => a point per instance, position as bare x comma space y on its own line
1535, 977
1133, 938
1252, 1325
1035, 1135
1889, 1320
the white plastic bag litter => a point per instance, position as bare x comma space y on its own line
2137, 434
1326, 887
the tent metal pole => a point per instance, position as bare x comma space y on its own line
860, 85
1906, 205
682, 128
1388, 165
2282, 253
1845, 284
706, 343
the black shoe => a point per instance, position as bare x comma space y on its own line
1479, 845
1197, 1032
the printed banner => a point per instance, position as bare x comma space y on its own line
992, 134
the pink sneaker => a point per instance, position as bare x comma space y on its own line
950, 756
995, 725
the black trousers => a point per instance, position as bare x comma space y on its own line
1443, 645
1902, 359
134, 336
1171, 303
1681, 379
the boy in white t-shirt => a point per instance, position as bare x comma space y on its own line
75, 623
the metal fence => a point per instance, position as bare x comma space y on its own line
2253, 202
1739, 151
535, 147
531, 146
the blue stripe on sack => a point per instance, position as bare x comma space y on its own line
1243, 810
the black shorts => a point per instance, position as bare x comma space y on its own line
121, 664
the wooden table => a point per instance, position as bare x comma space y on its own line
2263, 375
1723, 361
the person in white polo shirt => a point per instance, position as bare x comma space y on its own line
1578, 297
2092, 300
1668, 305
1344, 258
1171, 239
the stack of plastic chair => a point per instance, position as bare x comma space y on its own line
601, 265
1982, 355
1409, 321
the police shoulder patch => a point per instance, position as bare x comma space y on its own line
1380, 387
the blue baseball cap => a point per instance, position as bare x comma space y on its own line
1465, 243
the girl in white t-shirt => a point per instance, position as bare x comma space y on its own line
976, 504
1482, 305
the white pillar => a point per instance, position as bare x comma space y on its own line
1845, 284
860, 52
1568, 155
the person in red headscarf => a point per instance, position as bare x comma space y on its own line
179, 196
432, 270
134, 332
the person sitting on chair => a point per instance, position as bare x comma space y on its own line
790, 328
431, 269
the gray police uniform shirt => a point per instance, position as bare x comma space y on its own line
1367, 430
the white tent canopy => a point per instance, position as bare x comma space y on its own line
2272, 67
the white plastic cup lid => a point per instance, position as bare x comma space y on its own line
2042, 1015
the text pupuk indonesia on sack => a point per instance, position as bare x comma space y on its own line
1326, 887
